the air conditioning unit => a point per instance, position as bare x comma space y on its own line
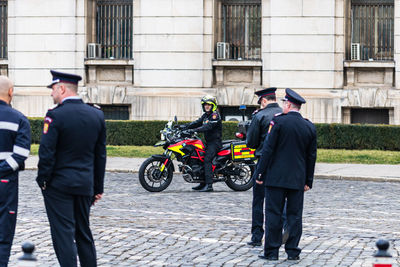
93, 50
222, 50
355, 51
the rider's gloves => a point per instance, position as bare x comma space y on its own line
188, 132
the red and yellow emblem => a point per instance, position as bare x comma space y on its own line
270, 126
47, 122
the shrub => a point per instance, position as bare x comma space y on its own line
335, 136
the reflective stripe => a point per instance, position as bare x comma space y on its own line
21, 151
13, 164
4, 155
5, 125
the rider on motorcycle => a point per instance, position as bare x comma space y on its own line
211, 125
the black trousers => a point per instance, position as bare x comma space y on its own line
257, 212
69, 224
274, 205
211, 150
8, 216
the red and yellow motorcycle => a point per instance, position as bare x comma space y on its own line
234, 163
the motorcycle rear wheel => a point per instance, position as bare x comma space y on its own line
151, 178
244, 181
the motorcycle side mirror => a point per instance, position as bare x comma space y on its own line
242, 108
175, 119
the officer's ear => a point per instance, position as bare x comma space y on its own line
63, 88
10, 93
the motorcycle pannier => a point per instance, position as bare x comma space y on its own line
240, 151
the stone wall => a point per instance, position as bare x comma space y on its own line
303, 47
43, 35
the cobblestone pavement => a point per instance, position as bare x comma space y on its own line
179, 227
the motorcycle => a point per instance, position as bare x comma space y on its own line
233, 164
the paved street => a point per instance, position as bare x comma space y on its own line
178, 227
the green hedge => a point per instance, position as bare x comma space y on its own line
358, 136
338, 136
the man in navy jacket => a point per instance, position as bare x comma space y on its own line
72, 158
288, 159
15, 142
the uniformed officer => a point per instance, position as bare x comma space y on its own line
288, 159
211, 125
72, 158
256, 134
15, 138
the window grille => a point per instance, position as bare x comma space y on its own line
115, 112
3, 28
369, 115
241, 28
372, 28
114, 28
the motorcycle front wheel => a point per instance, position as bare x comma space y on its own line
152, 178
243, 181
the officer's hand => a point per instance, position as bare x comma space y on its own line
259, 179
42, 183
97, 198
306, 188
259, 182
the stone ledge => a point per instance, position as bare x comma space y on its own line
109, 62
236, 63
369, 64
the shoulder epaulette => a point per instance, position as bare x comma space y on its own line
279, 114
54, 107
94, 105
255, 112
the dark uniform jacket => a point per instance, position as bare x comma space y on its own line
15, 141
210, 124
258, 128
289, 153
72, 153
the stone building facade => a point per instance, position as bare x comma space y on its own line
172, 58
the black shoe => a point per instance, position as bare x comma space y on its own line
285, 236
198, 187
269, 258
293, 258
254, 243
207, 188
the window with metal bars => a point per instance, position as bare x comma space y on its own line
3, 28
241, 28
114, 20
115, 112
372, 35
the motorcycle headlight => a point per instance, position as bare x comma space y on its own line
162, 137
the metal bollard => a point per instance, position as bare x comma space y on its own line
382, 258
28, 259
